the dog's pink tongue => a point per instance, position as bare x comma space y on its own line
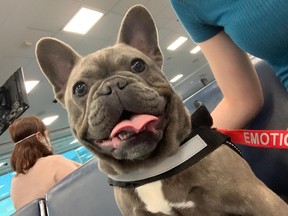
135, 124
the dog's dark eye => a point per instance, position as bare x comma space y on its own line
80, 89
138, 65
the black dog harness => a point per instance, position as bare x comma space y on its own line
202, 141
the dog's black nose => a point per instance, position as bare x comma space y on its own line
108, 87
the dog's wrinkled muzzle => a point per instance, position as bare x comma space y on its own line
125, 111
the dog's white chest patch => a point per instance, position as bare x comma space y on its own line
151, 194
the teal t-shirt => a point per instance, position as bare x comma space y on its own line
259, 27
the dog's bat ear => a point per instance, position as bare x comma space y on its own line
56, 60
139, 31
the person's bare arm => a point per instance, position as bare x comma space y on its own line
237, 79
77, 164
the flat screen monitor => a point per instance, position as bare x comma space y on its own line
13, 99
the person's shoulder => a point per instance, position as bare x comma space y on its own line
59, 161
54, 160
62, 160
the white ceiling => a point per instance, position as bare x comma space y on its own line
23, 23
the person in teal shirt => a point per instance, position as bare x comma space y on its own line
226, 31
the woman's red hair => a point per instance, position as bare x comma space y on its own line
27, 151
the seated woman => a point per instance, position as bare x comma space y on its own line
37, 169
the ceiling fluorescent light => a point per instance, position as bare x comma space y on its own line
195, 50
49, 120
29, 85
3, 164
74, 141
177, 43
83, 21
176, 78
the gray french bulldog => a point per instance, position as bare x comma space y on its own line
122, 108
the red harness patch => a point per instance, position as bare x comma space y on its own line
259, 138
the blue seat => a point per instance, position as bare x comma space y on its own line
270, 165
34, 208
83, 192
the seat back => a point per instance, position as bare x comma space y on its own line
83, 192
36, 207
269, 165
209, 95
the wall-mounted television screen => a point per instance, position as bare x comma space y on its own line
13, 99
